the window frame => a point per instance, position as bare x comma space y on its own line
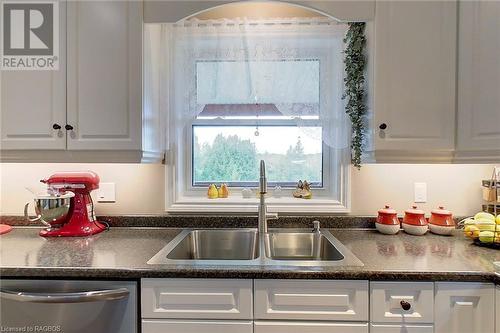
183, 197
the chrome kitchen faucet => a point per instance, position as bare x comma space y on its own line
263, 214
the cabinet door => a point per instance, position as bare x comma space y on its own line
197, 298
387, 297
414, 91
497, 310
32, 102
402, 329
311, 300
479, 79
104, 75
464, 307
196, 326
308, 327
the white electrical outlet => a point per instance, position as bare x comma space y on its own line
106, 192
420, 192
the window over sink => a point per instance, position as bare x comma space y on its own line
233, 133
243, 90
230, 154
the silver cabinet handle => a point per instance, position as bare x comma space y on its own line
77, 297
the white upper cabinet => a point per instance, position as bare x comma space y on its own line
104, 75
479, 81
464, 307
33, 103
414, 84
93, 104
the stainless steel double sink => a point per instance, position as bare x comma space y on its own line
283, 247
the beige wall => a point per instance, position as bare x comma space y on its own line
140, 188
455, 186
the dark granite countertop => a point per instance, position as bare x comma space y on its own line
122, 253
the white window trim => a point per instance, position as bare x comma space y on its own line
182, 197
178, 200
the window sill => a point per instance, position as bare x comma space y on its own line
238, 205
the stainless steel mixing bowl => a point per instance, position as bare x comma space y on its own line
51, 210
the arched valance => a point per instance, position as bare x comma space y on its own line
166, 11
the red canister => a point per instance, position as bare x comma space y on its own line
441, 221
414, 216
414, 222
387, 215
387, 221
442, 217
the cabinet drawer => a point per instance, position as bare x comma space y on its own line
309, 327
196, 298
402, 329
465, 307
196, 326
311, 300
386, 298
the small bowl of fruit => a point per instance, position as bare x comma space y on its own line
483, 228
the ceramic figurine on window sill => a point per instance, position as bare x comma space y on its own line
212, 193
223, 191
247, 193
215, 192
303, 190
277, 191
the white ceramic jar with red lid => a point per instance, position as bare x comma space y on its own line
441, 221
414, 221
387, 221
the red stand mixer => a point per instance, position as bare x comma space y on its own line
67, 208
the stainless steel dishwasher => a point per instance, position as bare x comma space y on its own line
68, 306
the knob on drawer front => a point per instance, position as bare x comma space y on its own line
405, 305
383, 126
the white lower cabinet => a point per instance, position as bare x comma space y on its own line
402, 302
229, 299
309, 327
196, 326
497, 310
376, 328
317, 306
464, 307
311, 300
401, 307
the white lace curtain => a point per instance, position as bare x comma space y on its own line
290, 66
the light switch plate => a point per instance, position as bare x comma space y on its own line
106, 192
420, 192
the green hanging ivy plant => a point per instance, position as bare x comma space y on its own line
354, 80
